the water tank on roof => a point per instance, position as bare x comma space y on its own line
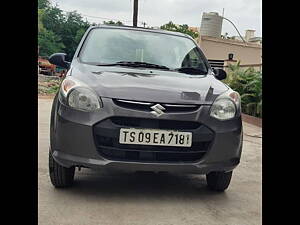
211, 25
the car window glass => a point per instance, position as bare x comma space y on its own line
114, 45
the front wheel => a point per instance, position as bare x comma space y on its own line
60, 176
218, 181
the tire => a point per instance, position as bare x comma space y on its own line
60, 176
218, 181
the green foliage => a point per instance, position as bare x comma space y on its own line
181, 28
112, 22
53, 89
249, 85
49, 20
42, 4
40, 23
58, 31
79, 35
72, 31
169, 26
53, 19
49, 43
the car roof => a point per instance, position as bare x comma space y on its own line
140, 29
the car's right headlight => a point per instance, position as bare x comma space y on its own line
78, 95
226, 106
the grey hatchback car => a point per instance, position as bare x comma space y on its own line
137, 99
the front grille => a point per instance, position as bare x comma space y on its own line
106, 135
154, 123
146, 106
151, 156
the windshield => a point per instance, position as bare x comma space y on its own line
108, 46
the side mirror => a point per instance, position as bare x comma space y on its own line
58, 59
220, 74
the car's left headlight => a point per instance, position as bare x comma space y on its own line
226, 106
78, 95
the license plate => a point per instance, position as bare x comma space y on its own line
155, 137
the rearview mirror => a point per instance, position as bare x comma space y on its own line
58, 59
220, 74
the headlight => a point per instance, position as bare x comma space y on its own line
78, 95
226, 106
83, 99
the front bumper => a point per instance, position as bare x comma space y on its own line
73, 140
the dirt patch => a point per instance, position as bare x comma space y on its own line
252, 120
48, 85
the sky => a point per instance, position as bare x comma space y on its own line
245, 14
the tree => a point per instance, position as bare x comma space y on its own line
49, 43
169, 26
40, 22
79, 35
72, 31
53, 19
112, 22
42, 4
184, 28
68, 28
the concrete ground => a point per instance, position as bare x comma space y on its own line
151, 199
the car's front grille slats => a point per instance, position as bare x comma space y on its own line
154, 123
133, 102
154, 150
115, 154
146, 106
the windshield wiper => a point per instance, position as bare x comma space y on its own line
143, 64
135, 64
191, 70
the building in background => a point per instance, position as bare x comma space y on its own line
211, 25
257, 40
249, 34
217, 47
249, 37
217, 51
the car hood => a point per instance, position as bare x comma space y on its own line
151, 85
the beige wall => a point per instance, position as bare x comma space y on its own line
214, 48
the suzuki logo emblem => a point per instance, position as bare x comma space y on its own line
157, 110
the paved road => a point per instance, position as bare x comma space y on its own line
133, 199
